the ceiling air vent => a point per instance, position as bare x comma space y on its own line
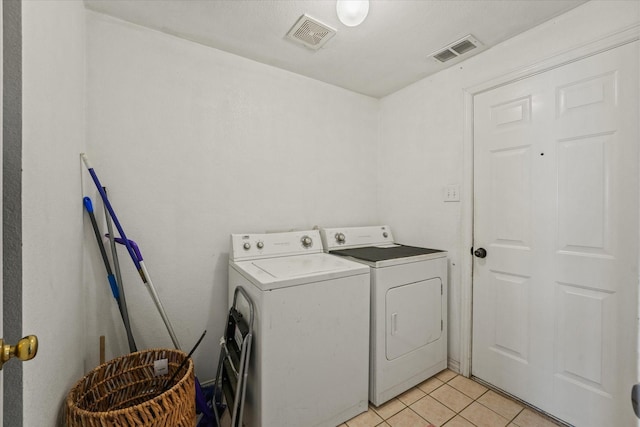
455, 49
310, 32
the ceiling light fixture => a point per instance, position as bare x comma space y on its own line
352, 12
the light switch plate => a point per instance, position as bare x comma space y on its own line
452, 193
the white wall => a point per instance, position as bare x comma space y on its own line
194, 144
53, 135
422, 131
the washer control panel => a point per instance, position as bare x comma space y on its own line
307, 241
354, 237
246, 247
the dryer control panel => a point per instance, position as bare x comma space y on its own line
245, 247
354, 237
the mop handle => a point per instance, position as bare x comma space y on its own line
163, 313
106, 202
133, 244
152, 290
112, 280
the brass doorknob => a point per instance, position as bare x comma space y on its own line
26, 349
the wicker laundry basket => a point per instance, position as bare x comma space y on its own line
125, 392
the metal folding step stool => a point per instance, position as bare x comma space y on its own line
233, 364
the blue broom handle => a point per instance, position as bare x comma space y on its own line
112, 280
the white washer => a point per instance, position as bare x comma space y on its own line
408, 307
309, 359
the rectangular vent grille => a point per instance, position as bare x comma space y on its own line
445, 55
456, 49
310, 32
463, 47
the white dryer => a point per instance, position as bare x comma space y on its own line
408, 307
309, 358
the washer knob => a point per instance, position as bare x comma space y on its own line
246, 246
260, 245
306, 241
385, 234
340, 238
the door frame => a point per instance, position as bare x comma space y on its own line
12, 385
1, 181
619, 38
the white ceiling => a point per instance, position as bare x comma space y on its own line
387, 52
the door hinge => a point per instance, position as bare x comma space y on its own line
441, 289
441, 325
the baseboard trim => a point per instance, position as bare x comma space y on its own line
453, 365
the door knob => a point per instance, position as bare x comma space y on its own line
480, 253
26, 349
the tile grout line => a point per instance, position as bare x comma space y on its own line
459, 413
477, 400
420, 416
509, 421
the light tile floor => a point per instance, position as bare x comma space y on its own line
450, 400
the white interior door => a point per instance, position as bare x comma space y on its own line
556, 208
